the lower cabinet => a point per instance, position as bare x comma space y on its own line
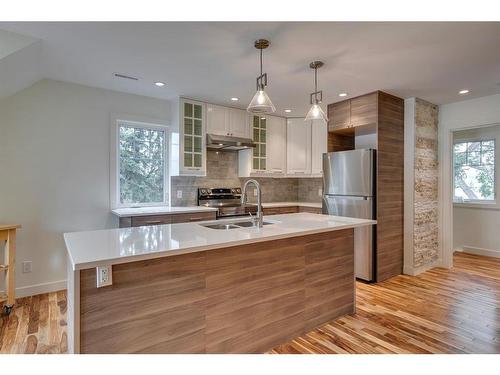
291, 210
139, 221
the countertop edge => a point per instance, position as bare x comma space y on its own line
166, 253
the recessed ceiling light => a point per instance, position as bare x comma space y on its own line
343, 94
463, 92
262, 118
288, 110
235, 99
159, 84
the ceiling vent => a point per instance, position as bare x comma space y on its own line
119, 75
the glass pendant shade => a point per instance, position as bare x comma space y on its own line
316, 113
261, 103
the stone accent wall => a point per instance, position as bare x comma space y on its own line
425, 220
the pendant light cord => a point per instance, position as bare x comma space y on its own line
316, 85
261, 67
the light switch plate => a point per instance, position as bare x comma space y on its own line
179, 194
104, 275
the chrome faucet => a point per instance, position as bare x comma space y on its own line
260, 215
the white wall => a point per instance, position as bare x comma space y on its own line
54, 169
455, 116
475, 227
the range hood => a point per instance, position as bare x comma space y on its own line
228, 143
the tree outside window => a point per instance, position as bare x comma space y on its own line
474, 170
142, 164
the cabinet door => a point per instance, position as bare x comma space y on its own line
298, 150
217, 119
339, 115
193, 138
364, 110
239, 123
276, 145
319, 143
259, 136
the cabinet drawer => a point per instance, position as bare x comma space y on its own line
312, 210
194, 216
138, 221
364, 110
281, 210
339, 115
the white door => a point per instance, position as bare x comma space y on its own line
319, 144
298, 148
217, 119
276, 145
239, 123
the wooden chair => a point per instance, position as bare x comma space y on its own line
8, 234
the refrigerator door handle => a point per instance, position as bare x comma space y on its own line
353, 197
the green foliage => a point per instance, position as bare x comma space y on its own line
142, 157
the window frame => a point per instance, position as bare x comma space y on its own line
144, 123
478, 202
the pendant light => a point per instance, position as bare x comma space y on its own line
261, 103
316, 113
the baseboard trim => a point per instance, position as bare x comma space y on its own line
415, 271
479, 251
32, 290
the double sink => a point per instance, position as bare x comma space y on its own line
235, 225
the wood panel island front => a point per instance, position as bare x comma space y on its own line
189, 288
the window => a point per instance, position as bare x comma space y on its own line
141, 170
259, 138
474, 170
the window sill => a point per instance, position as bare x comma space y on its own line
478, 205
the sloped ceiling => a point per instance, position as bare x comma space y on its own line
215, 61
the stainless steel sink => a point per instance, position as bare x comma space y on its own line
234, 225
220, 226
247, 224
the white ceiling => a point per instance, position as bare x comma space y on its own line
215, 61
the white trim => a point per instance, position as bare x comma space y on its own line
409, 184
143, 122
33, 290
479, 251
418, 270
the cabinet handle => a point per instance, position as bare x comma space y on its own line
153, 222
195, 218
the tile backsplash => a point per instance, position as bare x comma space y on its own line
222, 171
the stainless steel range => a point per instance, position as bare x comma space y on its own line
227, 200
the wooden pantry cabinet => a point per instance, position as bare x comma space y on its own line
381, 115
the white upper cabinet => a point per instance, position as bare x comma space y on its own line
192, 130
298, 161
276, 145
217, 119
319, 142
239, 123
227, 121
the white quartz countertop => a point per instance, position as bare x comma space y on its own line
159, 210
124, 245
291, 204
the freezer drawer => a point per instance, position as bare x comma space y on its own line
359, 207
349, 172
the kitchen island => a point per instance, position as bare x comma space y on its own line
189, 288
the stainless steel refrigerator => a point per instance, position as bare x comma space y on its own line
349, 190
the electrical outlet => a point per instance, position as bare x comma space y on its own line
179, 194
104, 276
27, 266
320, 192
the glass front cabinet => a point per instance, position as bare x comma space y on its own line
259, 131
193, 138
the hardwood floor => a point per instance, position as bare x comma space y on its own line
439, 311
36, 325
